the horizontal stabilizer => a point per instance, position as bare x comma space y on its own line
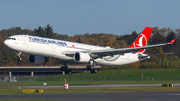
172, 41
143, 57
161, 54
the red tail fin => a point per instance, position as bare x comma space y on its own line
142, 39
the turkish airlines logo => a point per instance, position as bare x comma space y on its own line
141, 41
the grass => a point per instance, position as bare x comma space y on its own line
119, 76
13, 90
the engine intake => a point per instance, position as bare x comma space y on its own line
37, 59
81, 57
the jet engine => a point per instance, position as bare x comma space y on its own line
81, 57
37, 59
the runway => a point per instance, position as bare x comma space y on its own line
85, 86
128, 96
124, 96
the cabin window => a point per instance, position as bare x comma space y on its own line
12, 38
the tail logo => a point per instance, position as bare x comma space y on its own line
141, 41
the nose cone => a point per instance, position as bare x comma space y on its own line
7, 43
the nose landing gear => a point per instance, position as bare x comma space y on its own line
19, 56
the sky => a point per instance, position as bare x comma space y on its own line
90, 16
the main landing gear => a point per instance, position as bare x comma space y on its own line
92, 69
65, 69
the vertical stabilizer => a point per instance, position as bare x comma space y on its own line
142, 39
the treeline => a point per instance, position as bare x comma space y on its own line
9, 57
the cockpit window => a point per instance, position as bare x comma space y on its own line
12, 38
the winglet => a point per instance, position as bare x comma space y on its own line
172, 41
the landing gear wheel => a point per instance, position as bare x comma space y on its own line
69, 72
88, 67
92, 67
93, 71
19, 58
65, 68
62, 68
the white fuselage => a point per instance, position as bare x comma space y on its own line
53, 48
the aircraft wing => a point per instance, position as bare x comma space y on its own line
107, 52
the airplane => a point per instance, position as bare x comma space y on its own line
41, 49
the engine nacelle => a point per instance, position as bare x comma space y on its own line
36, 59
81, 57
